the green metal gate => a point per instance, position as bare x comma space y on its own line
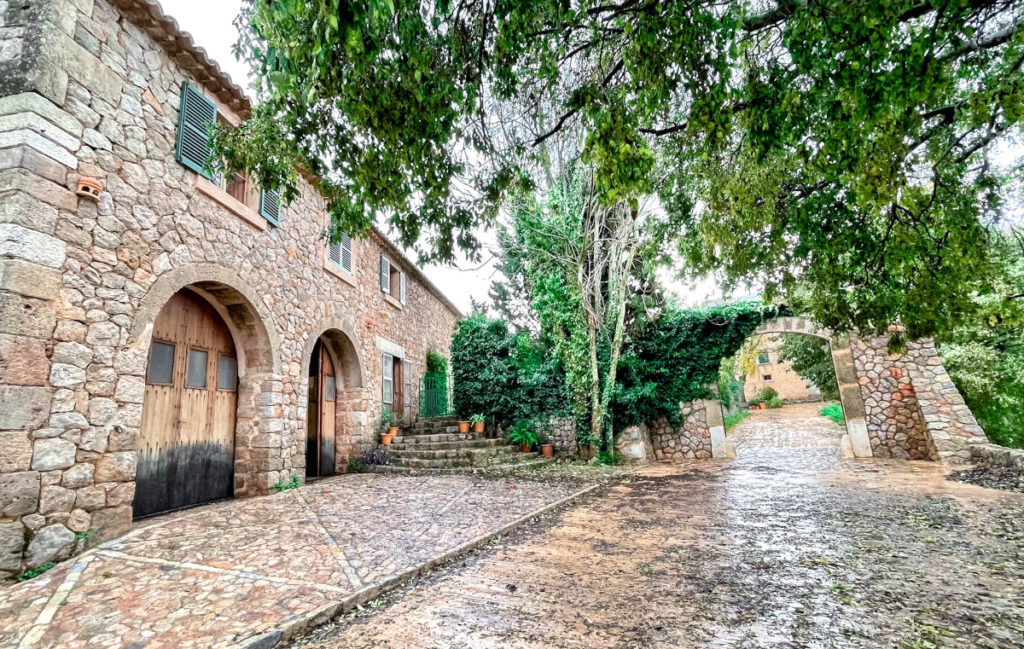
434, 398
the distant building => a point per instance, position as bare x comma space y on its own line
771, 372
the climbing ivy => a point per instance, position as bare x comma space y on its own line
676, 358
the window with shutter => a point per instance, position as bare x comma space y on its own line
385, 274
388, 383
334, 254
195, 115
407, 375
270, 206
401, 288
346, 252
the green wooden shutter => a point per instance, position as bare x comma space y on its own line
385, 274
195, 114
401, 288
270, 206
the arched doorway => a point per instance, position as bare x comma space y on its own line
321, 413
186, 445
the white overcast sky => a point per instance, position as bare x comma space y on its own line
211, 24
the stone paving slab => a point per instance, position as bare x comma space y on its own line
797, 425
227, 573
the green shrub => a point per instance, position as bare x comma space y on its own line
776, 402
767, 394
355, 465
504, 376
735, 418
833, 411
437, 364
522, 433
35, 572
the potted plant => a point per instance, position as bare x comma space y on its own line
478, 423
463, 426
387, 432
547, 449
523, 435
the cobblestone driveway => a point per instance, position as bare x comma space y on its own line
783, 549
793, 426
226, 572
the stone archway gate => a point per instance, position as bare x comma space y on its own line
895, 405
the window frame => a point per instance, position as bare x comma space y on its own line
218, 386
767, 358
149, 364
206, 371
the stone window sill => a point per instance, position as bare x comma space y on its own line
393, 302
346, 277
231, 203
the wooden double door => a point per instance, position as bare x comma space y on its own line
321, 424
186, 446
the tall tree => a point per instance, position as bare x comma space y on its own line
838, 145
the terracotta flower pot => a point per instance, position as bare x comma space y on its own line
386, 438
393, 431
478, 427
463, 426
548, 450
525, 448
762, 406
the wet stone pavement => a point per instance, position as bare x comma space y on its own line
783, 547
793, 426
225, 573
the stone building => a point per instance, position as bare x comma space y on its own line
773, 372
180, 331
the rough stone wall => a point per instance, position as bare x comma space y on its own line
895, 425
81, 283
562, 434
913, 408
690, 440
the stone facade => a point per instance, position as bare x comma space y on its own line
690, 440
88, 88
790, 385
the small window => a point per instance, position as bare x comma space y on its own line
237, 187
227, 372
196, 369
161, 363
766, 377
763, 358
395, 283
330, 391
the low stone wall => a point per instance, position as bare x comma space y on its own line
690, 440
993, 455
562, 434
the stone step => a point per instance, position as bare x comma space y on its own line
414, 444
457, 452
461, 462
495, 468
435, 437
430, 430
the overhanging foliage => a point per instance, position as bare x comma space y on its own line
676, 358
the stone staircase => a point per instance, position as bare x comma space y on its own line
435, 445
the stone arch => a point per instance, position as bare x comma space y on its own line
345, 348
260, 455
233, 297
846, 375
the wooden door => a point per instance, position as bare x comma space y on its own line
398, 402
186, 446
321, 418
